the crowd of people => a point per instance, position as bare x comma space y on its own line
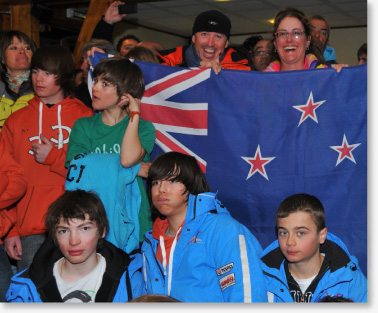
79, 224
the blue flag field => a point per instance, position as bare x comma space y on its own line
261, 137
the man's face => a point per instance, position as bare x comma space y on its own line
209, 46
362, 59
261, 55
127, 45
319, 33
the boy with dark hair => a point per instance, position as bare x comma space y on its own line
117, 89
307, 263
196, 252
36, 137
82, 266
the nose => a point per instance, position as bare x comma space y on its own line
211, 40
162, 186
315, 33
39, 76
74, 239
84, 66
290, 240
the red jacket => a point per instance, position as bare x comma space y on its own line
232, 60
45, 182
12, 188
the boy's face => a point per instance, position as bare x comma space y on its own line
78, 240
299, 239
44, 85
169, 199
104, 94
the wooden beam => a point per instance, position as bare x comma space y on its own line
96, 9
21, 19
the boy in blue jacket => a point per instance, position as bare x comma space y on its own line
196, 252
75, 264
307, 263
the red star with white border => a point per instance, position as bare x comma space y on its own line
308, 109
345, 151
258, 164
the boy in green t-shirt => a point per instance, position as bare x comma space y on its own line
117, 89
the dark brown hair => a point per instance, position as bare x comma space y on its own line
293, 12
303, 202
144, 54
59, 61
180, 167
124, 74
75, 205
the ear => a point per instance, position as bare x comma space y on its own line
226, 44
323, 235
193, 39
103, 233
308, 41
124, 101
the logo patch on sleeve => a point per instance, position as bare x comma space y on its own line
227, 281
224, 269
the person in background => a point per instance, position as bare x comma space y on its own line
16, 51
37, 136
261, 55
362, 54
294, 49
144, 54
320, 32
209, 47
76, 264
105, 27
81, 91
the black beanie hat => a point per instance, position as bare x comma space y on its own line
212, 21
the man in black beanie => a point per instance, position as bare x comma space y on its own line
209, 48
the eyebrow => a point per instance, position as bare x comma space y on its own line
312, 26
80, 225
296, 228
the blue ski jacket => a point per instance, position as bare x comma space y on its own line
215, 259
339, 275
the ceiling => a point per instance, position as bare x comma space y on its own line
247, 16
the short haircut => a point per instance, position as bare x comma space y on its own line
144, 54
59, 61
122, 39
124, 74
105, 45
320, 18
303, 202
250, 42
7, 39
75, 205
362, 50
181, 167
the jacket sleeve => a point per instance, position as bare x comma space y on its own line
138, 286
22, 290
12, 178
55, 159
238, 267
78, 143
103, 30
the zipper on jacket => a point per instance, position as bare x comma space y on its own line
156, 260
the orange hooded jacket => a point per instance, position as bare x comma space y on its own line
45, 182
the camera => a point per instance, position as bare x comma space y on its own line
128, 8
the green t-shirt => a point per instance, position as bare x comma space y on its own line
91, 135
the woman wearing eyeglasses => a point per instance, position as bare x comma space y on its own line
292, 43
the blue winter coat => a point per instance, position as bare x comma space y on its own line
343, 276
216, 259
122, 280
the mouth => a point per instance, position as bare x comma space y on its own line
162, 200
292, 252
290, 48
75, 252
209, 53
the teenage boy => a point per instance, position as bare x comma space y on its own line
117, 89
308, 263
36, 137
75, 264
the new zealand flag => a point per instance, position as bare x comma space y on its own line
261, 137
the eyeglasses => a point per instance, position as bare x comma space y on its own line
294, 34
260, 53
